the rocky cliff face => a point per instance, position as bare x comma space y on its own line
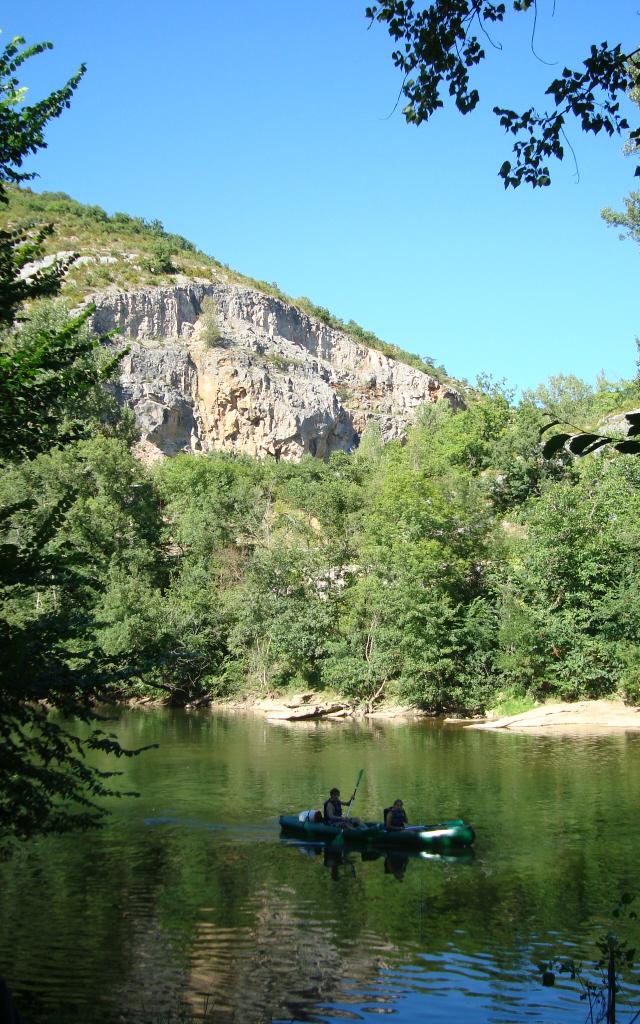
221, 366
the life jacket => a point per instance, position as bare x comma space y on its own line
398, 817
337, 809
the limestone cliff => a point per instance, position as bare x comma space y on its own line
222, 366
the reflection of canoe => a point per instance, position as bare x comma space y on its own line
452, 855
444, 836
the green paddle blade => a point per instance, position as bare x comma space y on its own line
339, 840
355, 788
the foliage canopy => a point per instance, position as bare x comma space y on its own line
438, 47
52, 402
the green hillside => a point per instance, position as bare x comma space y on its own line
131, 252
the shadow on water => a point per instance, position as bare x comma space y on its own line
260, 832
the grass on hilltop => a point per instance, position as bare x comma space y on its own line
145, 254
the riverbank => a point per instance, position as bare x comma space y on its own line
585, 715
305, 707
588, 716
295, 707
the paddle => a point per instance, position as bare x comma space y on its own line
360, 774
339, 839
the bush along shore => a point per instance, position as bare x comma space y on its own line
456, 573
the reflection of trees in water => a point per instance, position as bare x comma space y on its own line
290, 960
153, 977
283, 965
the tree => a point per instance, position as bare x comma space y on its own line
409, 620
61, 523
584, 443
439, 46
22, 134
50, 393
568, 402
569, 614
51, 375
630, 219
22, 126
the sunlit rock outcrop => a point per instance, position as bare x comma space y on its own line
221, 366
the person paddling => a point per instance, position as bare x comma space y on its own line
333, 811
395, 817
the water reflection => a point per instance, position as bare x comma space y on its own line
394, 863
190, 898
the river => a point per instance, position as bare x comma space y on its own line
189, 903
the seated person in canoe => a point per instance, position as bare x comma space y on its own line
395, 817
333, 812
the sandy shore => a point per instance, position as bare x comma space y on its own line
587, 716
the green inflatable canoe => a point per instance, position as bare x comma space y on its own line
443, 836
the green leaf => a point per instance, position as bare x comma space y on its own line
628, 447
554, 445
598, 444
580, 442
633, 419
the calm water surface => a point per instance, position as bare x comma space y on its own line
190, 899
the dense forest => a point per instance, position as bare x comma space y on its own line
459, 571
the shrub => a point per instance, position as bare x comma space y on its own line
159, 260
275, 359
343, 393
211, 333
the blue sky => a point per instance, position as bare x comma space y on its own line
261, 131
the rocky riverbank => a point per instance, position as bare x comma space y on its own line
581, 716
299, 707
306, 707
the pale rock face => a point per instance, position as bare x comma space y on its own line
617, 424
274, 382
